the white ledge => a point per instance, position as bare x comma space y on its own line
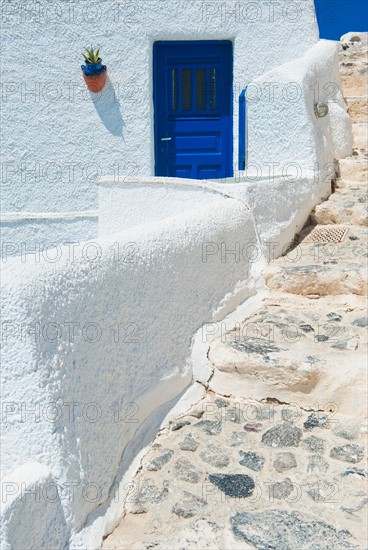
9, 217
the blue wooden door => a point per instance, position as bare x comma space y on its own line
193, 109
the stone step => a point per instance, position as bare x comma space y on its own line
360, 136
354, 85
294, 346
347, 184
357, 108
238, 474
354, 169
323, 268
348, 205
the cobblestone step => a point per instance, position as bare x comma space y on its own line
354, 169
240, 474
357, 108
355, 85
360, 136
348, 205
323, 268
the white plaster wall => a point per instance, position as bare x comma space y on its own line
153, 284
23, 233
58, 138
65, 366
299, 142
123, 205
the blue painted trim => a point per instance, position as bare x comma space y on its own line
242, 130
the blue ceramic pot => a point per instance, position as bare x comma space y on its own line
92, 69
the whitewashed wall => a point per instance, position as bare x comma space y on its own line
297, 141
102, 338
23, 232
58, 138
151, 284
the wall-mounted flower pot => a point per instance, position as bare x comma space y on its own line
95, 80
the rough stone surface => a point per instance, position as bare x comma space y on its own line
215, 456
275, 529
284, 435
189, 506
251, 460
284, 462
348, 453
233, 485
314, 444
189, 443
186, 471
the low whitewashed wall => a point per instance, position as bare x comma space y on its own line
97, 343
284, 135
123, 204
22, 233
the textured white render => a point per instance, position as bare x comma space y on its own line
159, 282
22, 232
299, 141
58, 138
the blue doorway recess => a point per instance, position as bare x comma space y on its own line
193, 103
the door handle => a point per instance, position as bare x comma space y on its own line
166, 139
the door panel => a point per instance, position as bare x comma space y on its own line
193, 109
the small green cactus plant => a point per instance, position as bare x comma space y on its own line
92, 56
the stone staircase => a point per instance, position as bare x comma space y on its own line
274, 455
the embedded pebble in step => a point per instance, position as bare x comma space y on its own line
280, 490
354, 470
349, 432
252, 460
179, 425
190, 505
189, 443
231, 415
283, 435
290, 414
210, 427
317, 463
315, 420
233, 485
284, 462
362, 322
321, 338
307, 328
156, 464
334, 317
348, 453
280, 529
215, 456
241, 438
186, 471
221, 403
253, 427
314, 444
